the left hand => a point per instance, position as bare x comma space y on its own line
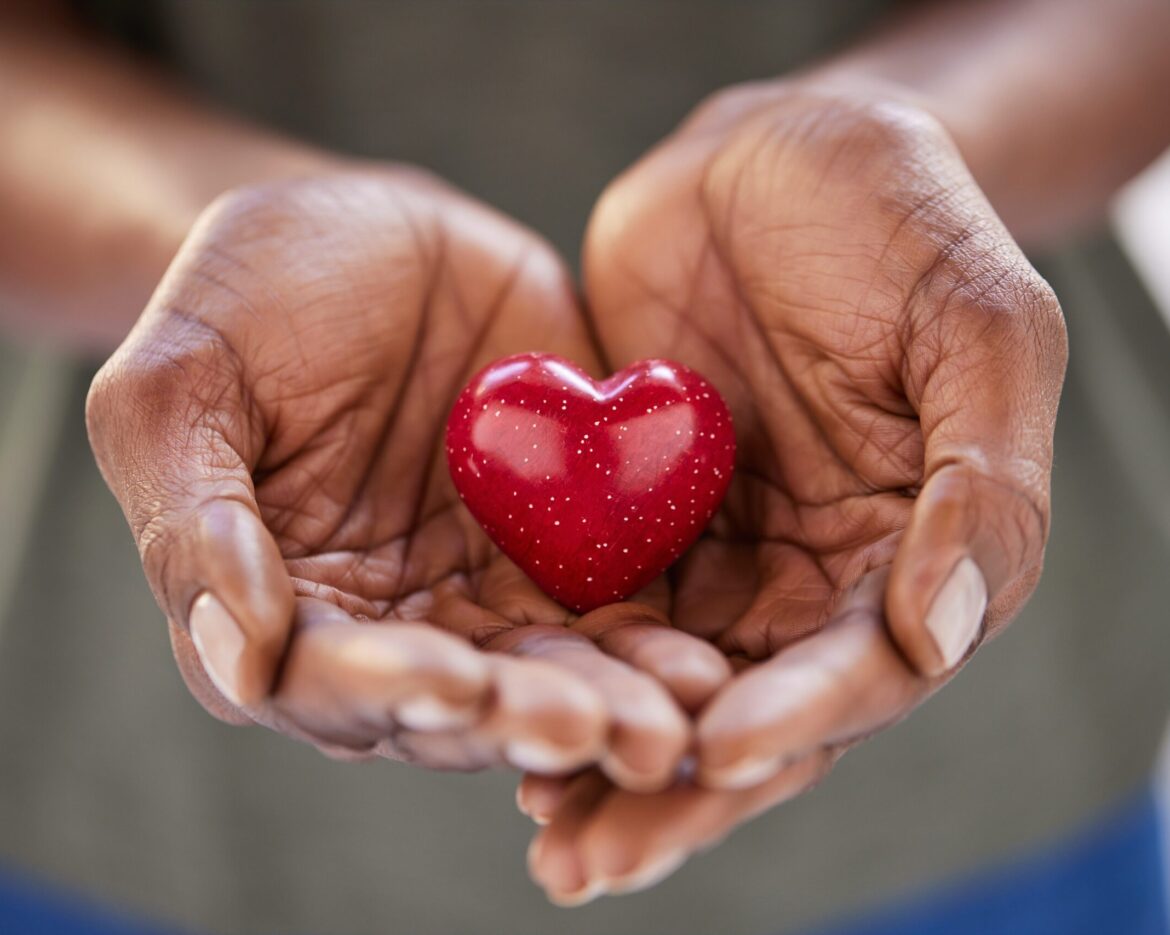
893, 365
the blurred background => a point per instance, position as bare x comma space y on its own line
117, 788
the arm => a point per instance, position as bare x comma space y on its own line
1053, 103
104, 167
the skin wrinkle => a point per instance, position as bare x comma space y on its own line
388, 422
682, 313
420, 253
1002, 135
747, 307
825, 358
158, 538
866, 438
838, 341
226, 379
489, 319
479, 270
250, 305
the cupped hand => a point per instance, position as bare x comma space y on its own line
893, 366
273, 430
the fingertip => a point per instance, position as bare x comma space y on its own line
692, 670
935, 607
537, 797
195, 676
646, 747
429, 713
241, 605
649, 873
564, 882
443, 681
242, 564
538, 755
742, 773
745, 734
554, 859
549, 720
348, 682
221, 646
955, 615
973, 536
647, 732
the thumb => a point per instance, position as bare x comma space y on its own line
173, 435
987, 377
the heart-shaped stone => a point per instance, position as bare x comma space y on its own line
592, 488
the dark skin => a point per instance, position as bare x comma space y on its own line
821, 249
831, 265
300, 356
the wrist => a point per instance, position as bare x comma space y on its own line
976, 141
217, 168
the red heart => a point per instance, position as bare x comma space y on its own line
593, 489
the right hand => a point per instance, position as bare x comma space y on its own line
272, 428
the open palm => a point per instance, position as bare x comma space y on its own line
892, 364
273, 429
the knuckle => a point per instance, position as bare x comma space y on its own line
620, 201
892, 130
977, 286
1046, 319
616, 241
162, 388
174, 394
101, 405
849, 138
253, 199
727, 104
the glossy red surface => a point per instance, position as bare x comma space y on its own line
592, 488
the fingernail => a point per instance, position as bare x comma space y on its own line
559, 872
428, 713
650, 874
531, 809
579, 897
535, 756
220, 643
957, 612
743, 773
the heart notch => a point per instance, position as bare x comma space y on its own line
593, 488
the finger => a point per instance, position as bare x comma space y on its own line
985, 377
553, 860
500, 598
544, 718
648, 733
691, 669
351, 684
844, 682
539, 797
540, 717
174, 437
197, 681
631, 842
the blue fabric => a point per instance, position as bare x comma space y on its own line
1105, 881
1108, 880
29, 907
